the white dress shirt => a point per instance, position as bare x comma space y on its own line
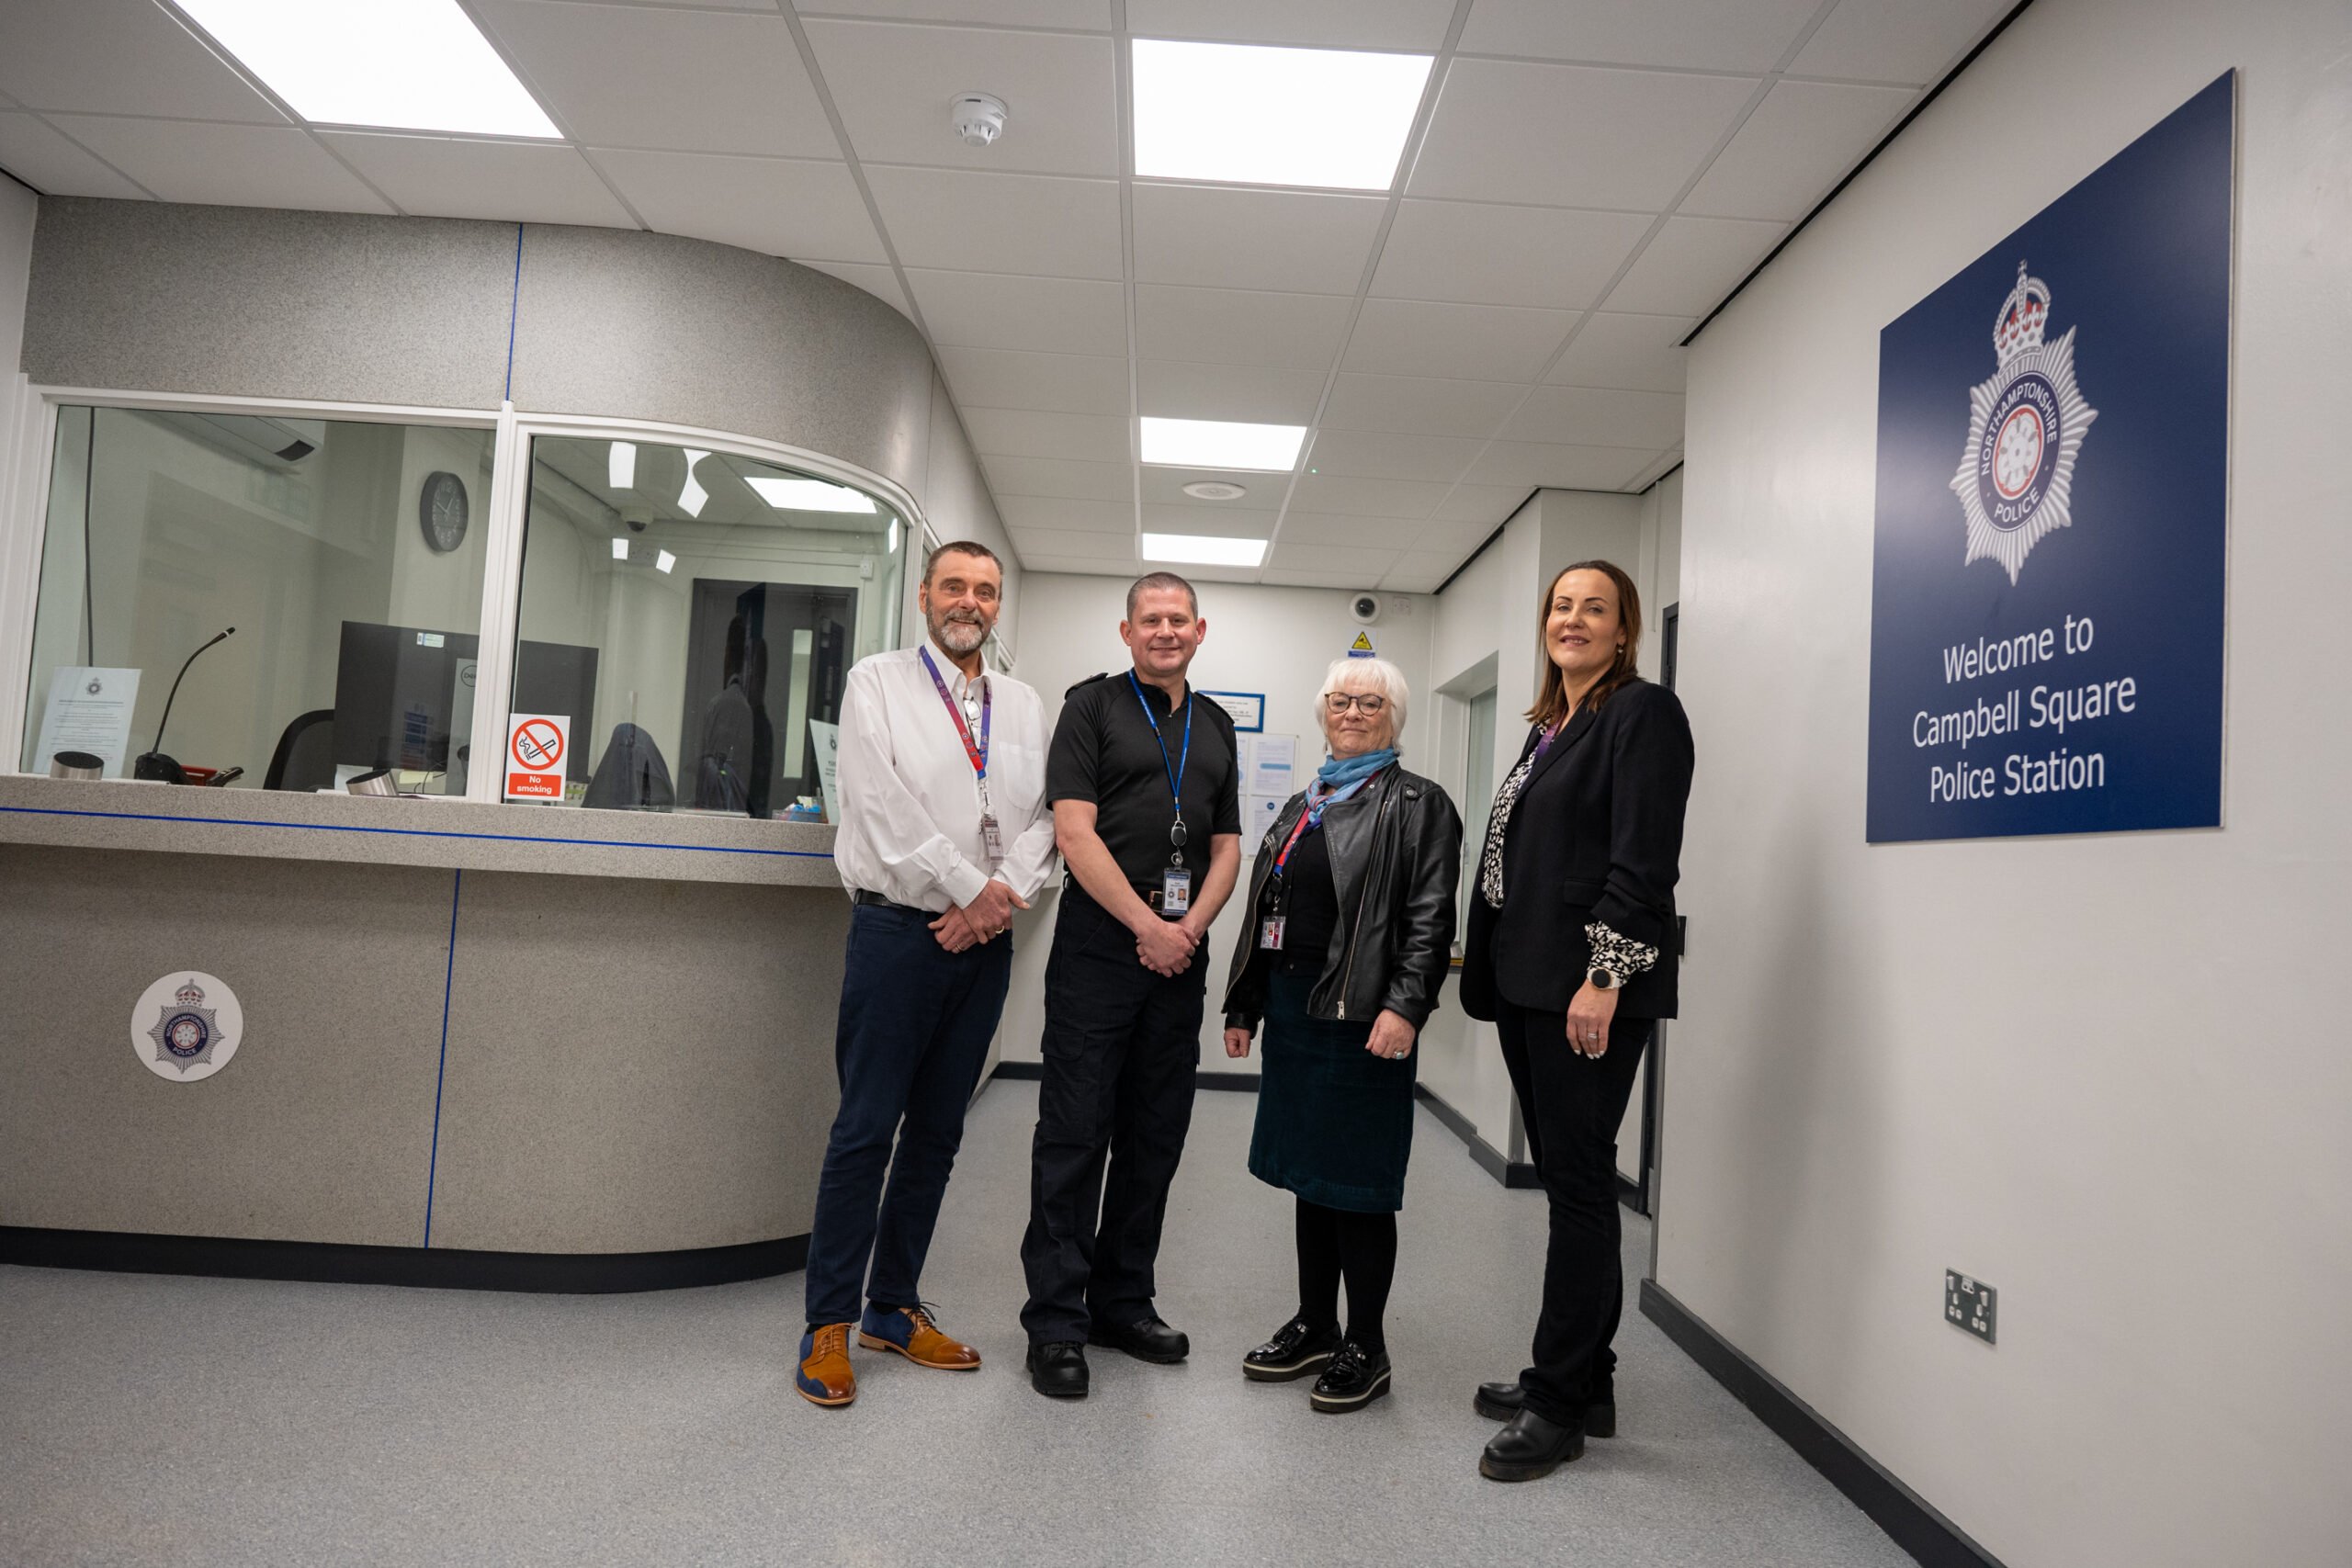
910, 800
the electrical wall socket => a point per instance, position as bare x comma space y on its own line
1968, 1304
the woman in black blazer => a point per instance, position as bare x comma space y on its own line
1571, 954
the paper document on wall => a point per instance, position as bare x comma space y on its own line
89, 710
1270, 766
828, 738
1259, 814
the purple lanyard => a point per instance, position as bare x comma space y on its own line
978, 754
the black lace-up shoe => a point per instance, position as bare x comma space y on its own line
1147, 1340
1057, 1369
1501, 1402
1529, 1447
1354, 1379
1298, 1349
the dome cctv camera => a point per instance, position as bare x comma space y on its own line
979, 118
638, 519
1365, 609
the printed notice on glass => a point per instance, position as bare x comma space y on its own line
535, 745
89, 710
1269, 765
829, 765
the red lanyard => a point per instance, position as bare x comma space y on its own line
1310, 816
979, 753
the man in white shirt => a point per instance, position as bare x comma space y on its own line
943, 833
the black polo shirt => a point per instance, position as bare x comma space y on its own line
1104, 751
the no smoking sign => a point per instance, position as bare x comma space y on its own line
535, 745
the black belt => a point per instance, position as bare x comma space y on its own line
1150, 896
860, 895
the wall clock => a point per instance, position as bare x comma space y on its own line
441, 511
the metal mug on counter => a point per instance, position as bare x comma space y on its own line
77, 765
380, 782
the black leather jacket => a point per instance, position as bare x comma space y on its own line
1395, 851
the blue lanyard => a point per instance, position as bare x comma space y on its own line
1176, 773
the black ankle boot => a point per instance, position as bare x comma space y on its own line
1501, 1402
1529, 1447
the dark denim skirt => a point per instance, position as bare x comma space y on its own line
1335, 1122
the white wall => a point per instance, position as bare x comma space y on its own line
1274, 640
956, 504
18, 206
2035, 1060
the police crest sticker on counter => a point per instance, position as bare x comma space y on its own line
186, 1026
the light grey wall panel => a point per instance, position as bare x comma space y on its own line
154, 295
653, 326
320, 1129
636, 1066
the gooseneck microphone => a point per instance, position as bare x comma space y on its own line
154, 764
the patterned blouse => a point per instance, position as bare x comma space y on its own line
1620, 956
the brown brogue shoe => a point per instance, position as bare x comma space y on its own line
825, 1377
911, 1333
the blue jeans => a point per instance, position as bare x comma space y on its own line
915, 1025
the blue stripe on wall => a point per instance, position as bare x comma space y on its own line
413, 832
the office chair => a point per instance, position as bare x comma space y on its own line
632, 775
305, 756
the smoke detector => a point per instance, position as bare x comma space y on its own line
1215, 489
978, 118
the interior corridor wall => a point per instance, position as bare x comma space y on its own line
1274, 640
19, 209
2033, 1060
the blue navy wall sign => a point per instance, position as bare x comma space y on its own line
2029, 671
186, 1026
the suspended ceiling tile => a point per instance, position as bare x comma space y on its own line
1220, 237
1420, 571
1071, 16
51, 161
1049, 315
1693, 264
1055, 545
1567, 136
1417, 25
878, 281
450, 177
1173, 388
1704, 35
1059, 476
1914, 41
1060, 514
1799, 144
1328, 566
1031, 561
1385, 456
129, 57
1240, 327
1445, 537
1469, 342
1222, 525
1635, 352
1528, 463
1043, 225
1420, 404
1482, 505
1345, 494
1065, 383
1586, 416
687, 81
893, 83
1336, 529
224, 165
1472, 253
1164, 487
779, 205
1034, 433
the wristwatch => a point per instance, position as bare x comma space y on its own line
1603, 979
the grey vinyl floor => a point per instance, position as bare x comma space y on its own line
186, 1421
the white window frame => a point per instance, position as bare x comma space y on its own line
30, 448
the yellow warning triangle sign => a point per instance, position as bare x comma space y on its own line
1361, 648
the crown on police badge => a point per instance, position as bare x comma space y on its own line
2023, 315
190, 995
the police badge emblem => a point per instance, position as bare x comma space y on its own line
2025, 428
187, 1032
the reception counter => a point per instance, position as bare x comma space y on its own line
482, 1045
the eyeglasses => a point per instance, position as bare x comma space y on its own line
1370, 701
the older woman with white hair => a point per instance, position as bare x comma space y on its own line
1351, 930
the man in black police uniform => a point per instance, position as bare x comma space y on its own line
1144, 787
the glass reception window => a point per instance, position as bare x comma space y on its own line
687, 622
348, 556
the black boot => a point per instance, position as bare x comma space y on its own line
1354, 1379
1529, 1447
1057, 1369
1147, 1340
1298, 1349
1501, 1402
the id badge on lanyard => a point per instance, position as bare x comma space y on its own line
977, 753
1176, 880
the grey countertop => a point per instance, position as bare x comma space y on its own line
469, 836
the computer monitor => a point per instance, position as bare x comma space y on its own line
403, 692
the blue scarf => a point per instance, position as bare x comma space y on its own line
1340, 773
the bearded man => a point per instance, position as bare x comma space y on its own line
943, 833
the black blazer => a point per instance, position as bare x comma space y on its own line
1596, 835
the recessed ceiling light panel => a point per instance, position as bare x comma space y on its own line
402, 65
1221, 444
808, 495
1202, 550
1250, 115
